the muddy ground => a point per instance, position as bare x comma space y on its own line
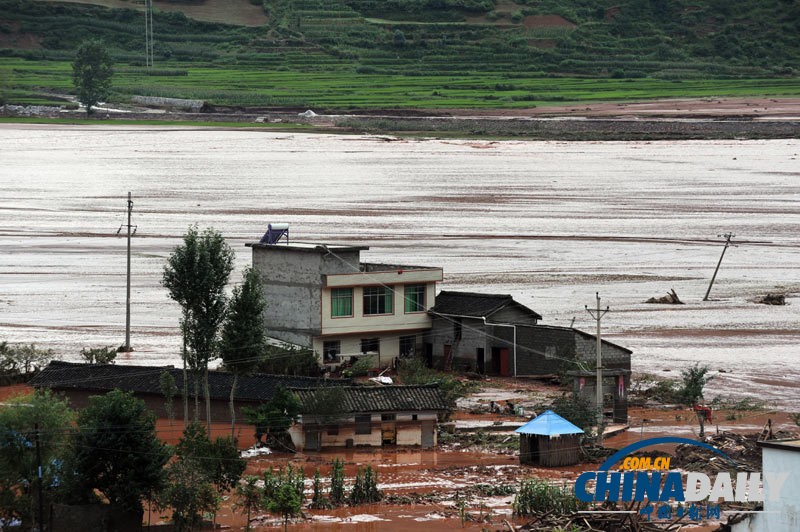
421, 486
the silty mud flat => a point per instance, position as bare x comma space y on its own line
550, 222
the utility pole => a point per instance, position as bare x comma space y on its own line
39, 469
727, 237
127, 347
598, 314
148, 33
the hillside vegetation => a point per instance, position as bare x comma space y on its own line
411, 53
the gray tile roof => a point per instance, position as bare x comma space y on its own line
387, 398
474, 304
145, 379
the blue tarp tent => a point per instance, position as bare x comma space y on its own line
549, 440
549, 424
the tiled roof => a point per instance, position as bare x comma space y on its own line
145, 379
473, 304
387, 398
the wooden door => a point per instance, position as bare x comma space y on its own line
388, 434
448, 357
504, 365
427, 428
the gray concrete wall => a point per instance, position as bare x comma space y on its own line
293, 282
613, 356
473, 336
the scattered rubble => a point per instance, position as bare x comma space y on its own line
670, 299
773, 299
743, 449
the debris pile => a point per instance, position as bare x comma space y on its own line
743, 449
773, 299
670, 299
552, 522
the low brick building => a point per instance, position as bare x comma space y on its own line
372, 416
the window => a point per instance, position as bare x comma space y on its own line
415, 298
388, 417
331, 350
413, 417
364, 424
333, 430
407, 345
341, 302
378, 300
370, 345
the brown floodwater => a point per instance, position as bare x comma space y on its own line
549, 222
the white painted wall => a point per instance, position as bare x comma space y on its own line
787, 508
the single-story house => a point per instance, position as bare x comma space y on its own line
493, 334
78, 381
371, 416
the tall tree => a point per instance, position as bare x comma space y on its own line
117, 451
18, 466
243, 340
195, 275
92, 71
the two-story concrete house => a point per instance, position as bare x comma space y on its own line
324, 298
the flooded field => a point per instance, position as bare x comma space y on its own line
549, 222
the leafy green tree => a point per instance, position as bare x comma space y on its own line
99, 355
218, 460
168, 388
289, 360
189, 494
318, 501
248, 497
274, 417
365, 487
16, 360
243, 341
116, 449
694, 379
337, 494
285, 503
195, 276
18, 466
399, 38
92, 71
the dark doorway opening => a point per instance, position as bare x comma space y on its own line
480, 362
428, 355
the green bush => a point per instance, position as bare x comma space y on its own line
537, 495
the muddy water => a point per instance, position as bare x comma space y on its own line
550, 222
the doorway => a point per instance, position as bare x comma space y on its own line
480, 362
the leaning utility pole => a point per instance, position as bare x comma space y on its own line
727, 237
598, 315
127, 347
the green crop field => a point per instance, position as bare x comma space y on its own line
349, 54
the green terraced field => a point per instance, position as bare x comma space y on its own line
345, 90
349, 54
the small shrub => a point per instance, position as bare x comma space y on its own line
365, 487
536, 495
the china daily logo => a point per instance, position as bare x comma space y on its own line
663, 486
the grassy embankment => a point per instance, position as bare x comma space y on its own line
346, 54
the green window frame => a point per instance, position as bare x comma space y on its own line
378, 300
415, 297
342, 302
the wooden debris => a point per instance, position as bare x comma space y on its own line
773, 299
670, 299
